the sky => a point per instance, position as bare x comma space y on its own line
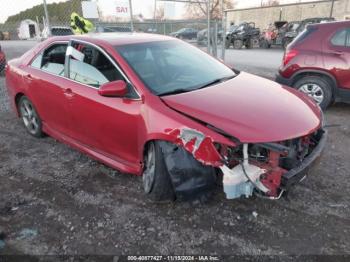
145, 7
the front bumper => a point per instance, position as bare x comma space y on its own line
296, 174
284, 81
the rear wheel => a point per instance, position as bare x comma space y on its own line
155, 178
237, 44
317, 88
30, 117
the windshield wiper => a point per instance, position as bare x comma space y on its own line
183, 90
215, 81
174, 92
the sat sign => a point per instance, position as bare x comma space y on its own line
122, 8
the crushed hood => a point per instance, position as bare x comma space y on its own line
251, 108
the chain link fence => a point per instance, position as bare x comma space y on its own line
33, 24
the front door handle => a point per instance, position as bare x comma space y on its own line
337, 52
29, 77
68, 93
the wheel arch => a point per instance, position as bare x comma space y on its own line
17, 97
320, 73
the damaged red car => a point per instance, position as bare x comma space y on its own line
158, 107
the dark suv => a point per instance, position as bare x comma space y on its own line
317, 63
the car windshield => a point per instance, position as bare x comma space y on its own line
294, 26
170, 67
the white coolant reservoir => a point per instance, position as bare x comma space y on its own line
236, 182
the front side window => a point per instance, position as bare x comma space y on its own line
93, 68
52, 59
167, 67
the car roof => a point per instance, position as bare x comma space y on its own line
332, 23
117, 38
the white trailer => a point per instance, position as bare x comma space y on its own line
28, 29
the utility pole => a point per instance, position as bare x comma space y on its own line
155, 15
47, 18
131, 17
208, 32
223, 25
331, 14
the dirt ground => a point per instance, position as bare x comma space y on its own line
55, 200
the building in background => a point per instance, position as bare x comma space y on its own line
264, 16
28, 29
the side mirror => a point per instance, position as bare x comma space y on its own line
113, 89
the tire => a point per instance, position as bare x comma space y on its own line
263, 43
30, 117
237, 44
155, 178
253, 42
319, 89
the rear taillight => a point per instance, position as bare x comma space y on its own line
288, 56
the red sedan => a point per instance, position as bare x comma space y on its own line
156, 106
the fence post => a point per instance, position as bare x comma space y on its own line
208, 32
215, 40
224, 21
47, 18
131, 17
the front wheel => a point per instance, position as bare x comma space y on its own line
156, 179
30, 117
317, 88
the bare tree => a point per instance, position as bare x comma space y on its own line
160, 13
198, 9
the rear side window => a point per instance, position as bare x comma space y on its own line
52, 59
341, 38
304, 35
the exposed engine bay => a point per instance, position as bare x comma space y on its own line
261, 169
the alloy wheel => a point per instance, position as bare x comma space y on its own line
29, 117
314, 91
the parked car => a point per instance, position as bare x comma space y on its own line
246, 34
317, 63
295, 28
56, 31
112, 29
202, 36
2, 61
156, 106
273, 35
185, 33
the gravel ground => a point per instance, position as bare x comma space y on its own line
55, 200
